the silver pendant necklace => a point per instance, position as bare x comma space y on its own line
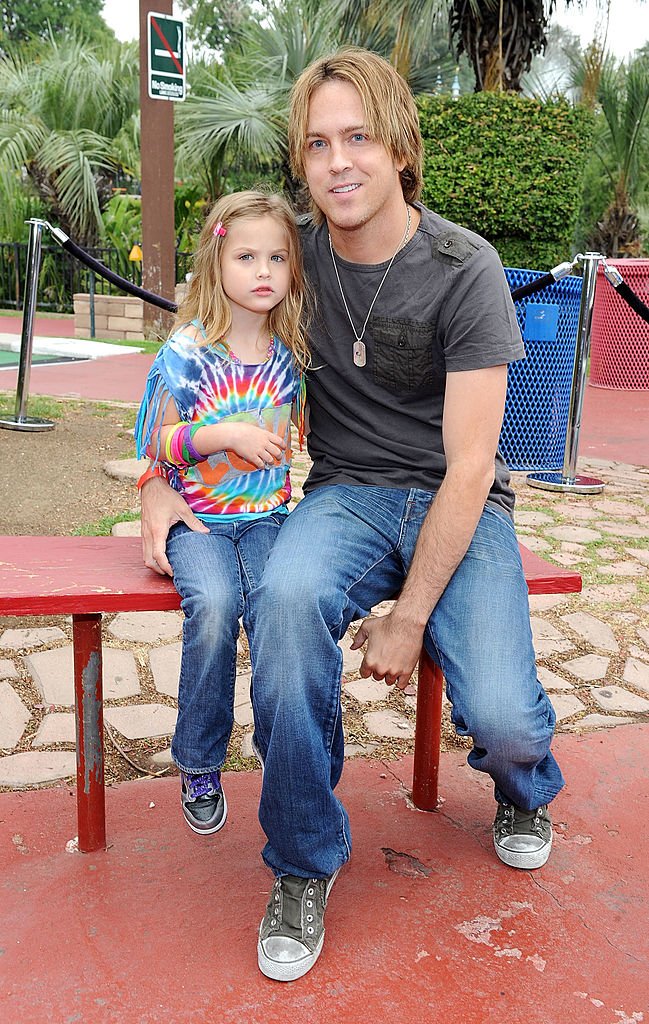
359, 353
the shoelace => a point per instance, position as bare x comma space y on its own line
203, 785
280, 896
507, 824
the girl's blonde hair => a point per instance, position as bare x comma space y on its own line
388, 106
205, 299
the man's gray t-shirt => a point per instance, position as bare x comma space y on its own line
444, 306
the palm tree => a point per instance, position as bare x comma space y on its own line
415, 38
225, 124
499, 37
622, 146
68, 123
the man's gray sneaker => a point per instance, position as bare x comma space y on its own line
203, 802
257, 754
291, 934
523, 839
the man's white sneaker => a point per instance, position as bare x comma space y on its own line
523, 839
291, 934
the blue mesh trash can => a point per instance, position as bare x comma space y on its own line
533, 435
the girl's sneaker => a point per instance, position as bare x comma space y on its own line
203, 802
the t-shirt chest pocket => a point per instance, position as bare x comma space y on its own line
404, 354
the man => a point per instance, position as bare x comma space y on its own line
411, 340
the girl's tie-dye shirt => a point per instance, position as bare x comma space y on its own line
209, 387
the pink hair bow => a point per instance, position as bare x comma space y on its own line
218, 229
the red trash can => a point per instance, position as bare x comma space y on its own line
619, 352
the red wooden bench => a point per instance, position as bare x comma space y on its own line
88, 576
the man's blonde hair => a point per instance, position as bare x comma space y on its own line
388, 106
205, 299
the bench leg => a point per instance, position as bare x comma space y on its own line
88, 693
428, 733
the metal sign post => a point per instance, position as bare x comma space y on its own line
569, 480
159, 61
20, 421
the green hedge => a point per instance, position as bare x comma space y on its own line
510, 168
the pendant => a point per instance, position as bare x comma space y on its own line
360, 356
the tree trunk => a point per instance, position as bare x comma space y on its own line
618, 233
500, 42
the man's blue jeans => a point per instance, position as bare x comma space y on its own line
343, 550
213, 573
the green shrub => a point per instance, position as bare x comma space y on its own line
190, 208
510, 168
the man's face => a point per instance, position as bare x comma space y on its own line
352, 177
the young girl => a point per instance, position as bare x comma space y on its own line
216, 413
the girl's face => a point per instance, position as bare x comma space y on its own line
255, 271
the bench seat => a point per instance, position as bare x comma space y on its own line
86, 577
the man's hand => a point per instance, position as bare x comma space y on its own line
162, 507
393, 649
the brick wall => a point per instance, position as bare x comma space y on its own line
117, 317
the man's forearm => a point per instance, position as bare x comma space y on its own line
445, 536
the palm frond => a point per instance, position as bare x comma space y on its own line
20, 138
126, 145
249, 124
72, 161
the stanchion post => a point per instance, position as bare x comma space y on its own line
569, 480
91, 298
20, 421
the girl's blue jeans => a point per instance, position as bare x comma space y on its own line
343, 550
214, 574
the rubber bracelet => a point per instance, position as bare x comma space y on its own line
168, 455
173, 450
149, 473
176, 447
188, 442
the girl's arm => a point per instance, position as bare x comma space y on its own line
167, 417
252, 443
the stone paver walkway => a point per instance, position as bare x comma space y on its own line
592, 649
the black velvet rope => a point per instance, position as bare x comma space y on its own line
632, 300
119, 282
532, 287
636, 304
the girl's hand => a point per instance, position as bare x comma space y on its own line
257, 446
